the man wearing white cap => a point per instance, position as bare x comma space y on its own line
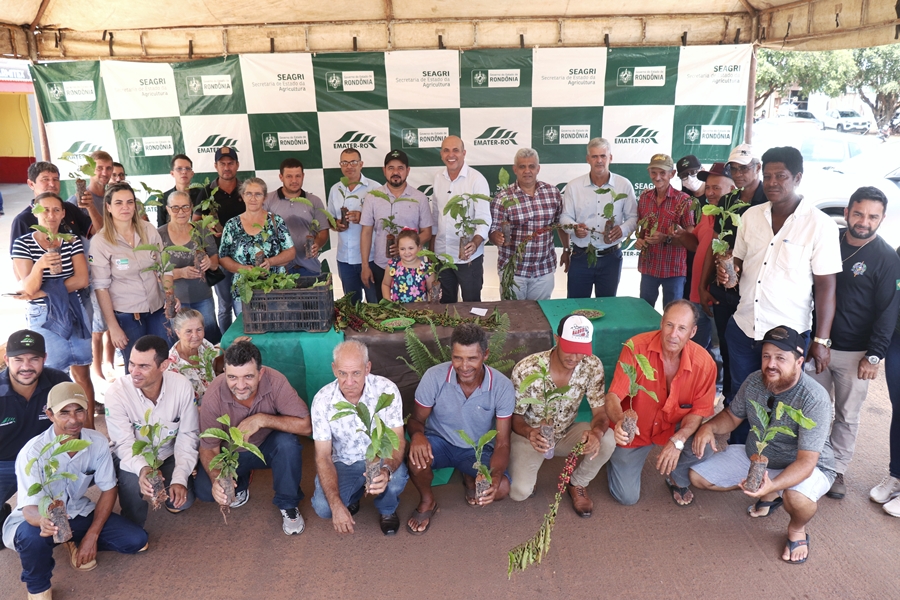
570, 363
94, 525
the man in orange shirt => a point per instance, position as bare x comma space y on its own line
684, 385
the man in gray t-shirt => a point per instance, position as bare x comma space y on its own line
801, 465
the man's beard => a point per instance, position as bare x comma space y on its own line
783, 382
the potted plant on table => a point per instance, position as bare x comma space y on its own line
758, 462
162, 266
629, 422
383, 441
547, 401
388, 223
149, 448
227, 458
483, 480
721, 250
52, 506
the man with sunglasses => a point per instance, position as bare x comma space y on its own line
801, 465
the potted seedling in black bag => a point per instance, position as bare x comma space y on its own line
758, 462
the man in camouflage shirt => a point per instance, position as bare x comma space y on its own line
570, 363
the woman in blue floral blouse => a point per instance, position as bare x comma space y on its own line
254, 238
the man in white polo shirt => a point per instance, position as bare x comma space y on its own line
169, 397
782, 248
459, 178
583, 207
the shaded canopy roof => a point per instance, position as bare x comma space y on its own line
180, 29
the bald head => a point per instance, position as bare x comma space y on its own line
453, 154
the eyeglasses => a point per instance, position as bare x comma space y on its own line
351, 163
182, 169
254, 195
178, 209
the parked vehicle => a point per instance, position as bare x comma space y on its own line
832, 149
845, 120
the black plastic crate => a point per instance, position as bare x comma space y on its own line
302, 309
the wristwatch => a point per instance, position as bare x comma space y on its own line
679, 445
873, 360
389, 470
824, 341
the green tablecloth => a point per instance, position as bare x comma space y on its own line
304, 358
624, 318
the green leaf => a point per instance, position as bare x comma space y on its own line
465, 437
384, 401
30, 464
712, 209
719, 246
486, 438
215, 432
71, 446
648, 370
237, 436
761, 414
649, 393
252, 448
530, 379
797, 415
69, 476
138, 447
503, 178
364, 415
380, 194
392, 437
35, 489
342, 414
783, 430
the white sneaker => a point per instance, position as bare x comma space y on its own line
884, 491
893, 507
292, 522
240, 498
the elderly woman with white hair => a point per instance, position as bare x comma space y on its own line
192, 355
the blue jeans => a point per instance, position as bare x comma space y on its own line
468, 277
223, 294
351, 281
62, 353
154, 323
134, 507
672, 288
892, 374
728, 301
7, 480
36, 552
282, 453
351, 486
462, 459
602, 278
745, 357
207, 308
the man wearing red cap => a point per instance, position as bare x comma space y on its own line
572, 364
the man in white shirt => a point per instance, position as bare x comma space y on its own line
583, 204
170, 399
351, 196
459, 178
782, 248
341, 445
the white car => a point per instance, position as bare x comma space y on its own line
845, 120
832, 187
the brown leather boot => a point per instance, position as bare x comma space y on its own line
582, 504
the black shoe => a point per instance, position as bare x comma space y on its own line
390, 524
838, 488
353, 508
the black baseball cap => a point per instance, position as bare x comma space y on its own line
396, 155
785, 338
25, 341
226, 152
687, 163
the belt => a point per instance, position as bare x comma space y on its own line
602, 252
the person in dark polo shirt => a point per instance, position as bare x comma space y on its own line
24, 386
228, 197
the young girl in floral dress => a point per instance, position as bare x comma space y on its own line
407, 278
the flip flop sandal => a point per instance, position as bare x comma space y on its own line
673, 489
422, 516
772, 506
471, 500
791, 546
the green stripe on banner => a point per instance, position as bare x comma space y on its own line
304, 358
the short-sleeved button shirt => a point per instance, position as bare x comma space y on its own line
586, 379
665, 260
299, 217
274, 396
451, 411
691, 391
348, 444
414, 212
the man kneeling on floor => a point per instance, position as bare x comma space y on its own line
801, 465
463, 394
341, 443
573, 366
94, 526
261, 403
684, 385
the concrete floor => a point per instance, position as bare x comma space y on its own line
651, 550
